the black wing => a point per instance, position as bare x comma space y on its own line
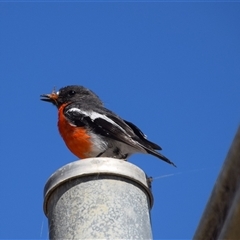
142, 136
108, 124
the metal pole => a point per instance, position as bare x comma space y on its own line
221, 218
98, 198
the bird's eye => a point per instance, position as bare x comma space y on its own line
71, 93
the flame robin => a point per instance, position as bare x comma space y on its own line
91, 130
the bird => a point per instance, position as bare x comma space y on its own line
91, 130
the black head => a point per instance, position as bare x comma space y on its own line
71, 94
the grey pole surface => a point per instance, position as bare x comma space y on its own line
98, 198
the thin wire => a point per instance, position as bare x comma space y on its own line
178, 173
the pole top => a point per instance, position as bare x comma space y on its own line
96, 166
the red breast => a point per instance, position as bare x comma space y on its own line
76, 138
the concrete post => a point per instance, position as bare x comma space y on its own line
98, 198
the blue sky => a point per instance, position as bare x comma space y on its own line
171, 68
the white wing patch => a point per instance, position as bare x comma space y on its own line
95, 115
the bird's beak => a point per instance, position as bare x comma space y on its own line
52, 97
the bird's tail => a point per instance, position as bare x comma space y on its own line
160, 156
